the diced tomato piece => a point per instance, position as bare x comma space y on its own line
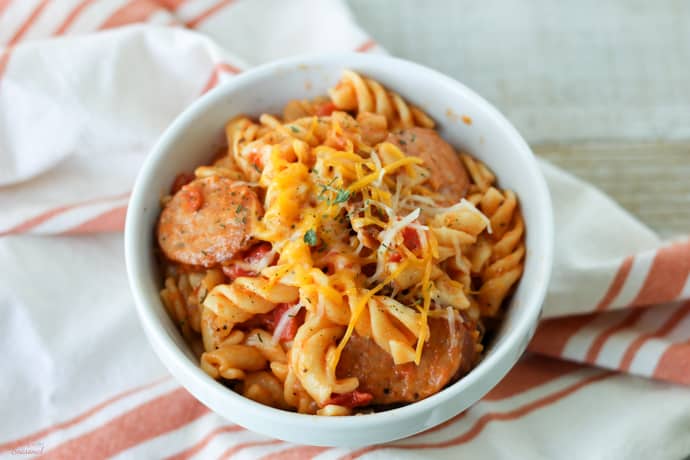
180, 181
395, 257
192, 198
280, 309
255, 159
411, 238
325, 109
258, 252
351, 399
252, 256
233, 271
269, 321
293, 323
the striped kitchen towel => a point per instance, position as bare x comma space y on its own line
86, 86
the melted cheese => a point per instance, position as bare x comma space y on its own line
368, 179
386, 179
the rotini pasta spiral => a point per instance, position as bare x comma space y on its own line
312, 350
364, 95
246, 297
499, 258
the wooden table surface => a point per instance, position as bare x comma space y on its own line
601, 89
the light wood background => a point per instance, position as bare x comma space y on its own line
601, 89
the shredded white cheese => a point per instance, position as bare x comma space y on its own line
283, 322
395, 200
380, 267
389, 211
451, 326
421, 199
396, 227
382, 172
467, 205
259, 266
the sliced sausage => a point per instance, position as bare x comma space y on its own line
448, 175
207, 221
442, 360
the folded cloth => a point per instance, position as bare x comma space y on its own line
79, 108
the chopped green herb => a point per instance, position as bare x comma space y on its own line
258, 336
310, 237
239, 208
294, 129
342, 196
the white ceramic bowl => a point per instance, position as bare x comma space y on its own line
195, 136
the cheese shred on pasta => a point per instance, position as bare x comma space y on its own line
343, 230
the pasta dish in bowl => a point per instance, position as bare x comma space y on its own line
339, 256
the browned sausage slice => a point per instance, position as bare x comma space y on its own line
442, 360
207, 221
448, 175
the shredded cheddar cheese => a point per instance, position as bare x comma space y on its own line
366, 180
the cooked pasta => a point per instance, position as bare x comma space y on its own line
341, 257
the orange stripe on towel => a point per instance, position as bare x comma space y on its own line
109, 221
616, 285
153, 418
132, 12
667, 275
192, 451
674, 364
215, 75
43, 217
366, 46
28, 23
553, 334
193, 23
665, 328
79, 418
485, 419
600, 341
529, 373
71, 17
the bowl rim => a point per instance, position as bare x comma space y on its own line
177, 361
